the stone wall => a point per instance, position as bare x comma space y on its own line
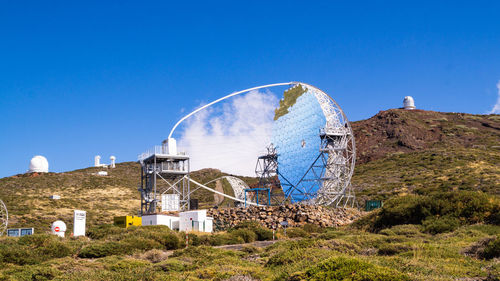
294, 214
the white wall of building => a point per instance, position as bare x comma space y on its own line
159, 219
195, 221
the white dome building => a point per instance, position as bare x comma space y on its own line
58, 228
408, 103
39, 164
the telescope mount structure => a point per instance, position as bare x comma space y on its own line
163, 173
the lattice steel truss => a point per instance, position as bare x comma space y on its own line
266, 170
163, 174
337, 153
327, 181
4, 218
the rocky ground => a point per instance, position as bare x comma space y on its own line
295, 215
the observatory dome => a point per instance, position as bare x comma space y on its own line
39, 164
408, 103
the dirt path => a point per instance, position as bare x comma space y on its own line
258, 244
218, 198
237, 247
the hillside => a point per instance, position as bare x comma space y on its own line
28, 202
416, 151
399, 152
402, 131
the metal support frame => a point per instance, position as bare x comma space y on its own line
256, 191
327, 180
267, 171
4, 218
164, 174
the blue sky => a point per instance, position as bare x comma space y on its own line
111, 78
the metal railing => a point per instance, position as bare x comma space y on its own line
157, 149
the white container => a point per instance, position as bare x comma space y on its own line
58, 228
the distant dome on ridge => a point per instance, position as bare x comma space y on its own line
39, 164
408, 103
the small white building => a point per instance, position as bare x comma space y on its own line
195, 221
409, 103
160, 219
39, 164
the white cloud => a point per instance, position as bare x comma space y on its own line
496, 107
230, 136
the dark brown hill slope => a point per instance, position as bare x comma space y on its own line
399, 130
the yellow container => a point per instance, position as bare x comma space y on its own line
127, 221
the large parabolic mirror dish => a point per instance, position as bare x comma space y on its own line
308, 137
315, 146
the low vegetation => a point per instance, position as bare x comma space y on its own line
437, 174
401, 252
436, 212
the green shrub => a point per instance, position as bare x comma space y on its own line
34, 249
140, 243
313, 228
462, 207
494, 217
409, 230
492, 249
328, 235
172, 265
435, 225
246, 234
294, 232
104, 231
341, 268
32, 272
263, 234
286, 258
220, 239
102, 249
194, 240
248, 224
172, 242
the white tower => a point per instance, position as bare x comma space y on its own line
39, 164
97, 161
408, 103
112, 158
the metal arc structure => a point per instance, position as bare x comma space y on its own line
224, 98
325, 177
4, 218
236, 184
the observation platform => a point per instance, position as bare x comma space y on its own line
157, 159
